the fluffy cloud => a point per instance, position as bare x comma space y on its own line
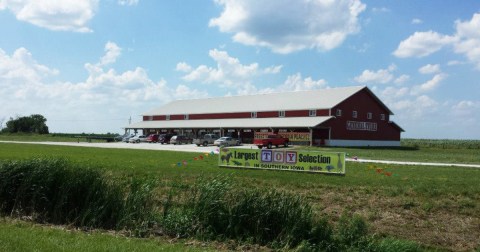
429, 85
21, 68
429, 69
469, 35
290, 25
465, 41
380, 76
65, 15
229, 72
296, 83
421, 44
112, 52
105, 93
128, 2
416, 21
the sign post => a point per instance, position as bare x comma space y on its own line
278, 159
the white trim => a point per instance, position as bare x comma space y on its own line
357, 143
312, 112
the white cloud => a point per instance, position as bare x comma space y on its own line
380, 76
380, 9
65, 15
229, 72
402, 79
468, 33
112, 52
21, 68
296, 83
81, 106
183, 67
421, 44
416, 21
429, 69
290, 25
429, 85
128, 2
465, 41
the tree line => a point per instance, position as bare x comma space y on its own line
26, 124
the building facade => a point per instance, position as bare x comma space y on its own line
348, 116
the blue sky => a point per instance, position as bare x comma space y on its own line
88, 66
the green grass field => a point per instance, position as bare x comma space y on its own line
435, 206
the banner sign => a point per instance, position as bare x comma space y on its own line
367, 126
292, 136
278, 159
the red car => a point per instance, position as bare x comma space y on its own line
152, 138
271, 140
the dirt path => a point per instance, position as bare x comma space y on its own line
194, 148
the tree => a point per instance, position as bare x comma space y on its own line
28, 124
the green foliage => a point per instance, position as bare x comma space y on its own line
59, 192
441, 143
390, 244
27, 124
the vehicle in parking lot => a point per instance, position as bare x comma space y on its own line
138, 139
180, 139
152, 138
205, 139
165, 138
226, 141
273, 139
127, 137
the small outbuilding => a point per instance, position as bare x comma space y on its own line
346, 116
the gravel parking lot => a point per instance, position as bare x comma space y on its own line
141, 146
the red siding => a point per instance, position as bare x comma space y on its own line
221, 116
363, 103
263, 114
267, 114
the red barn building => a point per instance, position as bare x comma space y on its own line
347, 116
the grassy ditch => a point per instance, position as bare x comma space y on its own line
433, 206
60, 192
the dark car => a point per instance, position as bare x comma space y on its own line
181, 139
152, 138
165, 138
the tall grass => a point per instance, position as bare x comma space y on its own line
59, 192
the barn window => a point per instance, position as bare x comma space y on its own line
339, 112
150, 118
167, 117
369, 115
312, 112
354, 114
185, 117
254, 114
281, 113
382, 117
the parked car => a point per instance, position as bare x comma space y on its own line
138, 139
180, 139
152, 138
165, 138
226, 141
127, 137
273, 139
205, 139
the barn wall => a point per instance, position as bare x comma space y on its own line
362, 102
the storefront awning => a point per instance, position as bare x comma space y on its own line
243, 123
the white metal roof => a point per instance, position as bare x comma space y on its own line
276, 122
300, 100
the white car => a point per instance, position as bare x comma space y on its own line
138, 139
226, 141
